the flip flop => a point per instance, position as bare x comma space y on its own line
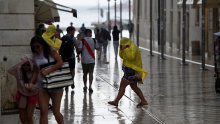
113, 103
141, 104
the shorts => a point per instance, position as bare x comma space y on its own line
72, 63
54, 90
88, 68
130, 74
23, 101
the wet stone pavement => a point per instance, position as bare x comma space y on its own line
177, 94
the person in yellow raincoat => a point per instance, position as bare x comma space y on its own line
133, 71
51, 37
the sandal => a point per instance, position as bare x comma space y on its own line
90, 90
141, 104
84, 89
113, 103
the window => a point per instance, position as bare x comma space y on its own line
197, 17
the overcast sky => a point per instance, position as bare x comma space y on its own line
87, 11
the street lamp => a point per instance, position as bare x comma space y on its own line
121, 26
115, 13
129, 17
109, 27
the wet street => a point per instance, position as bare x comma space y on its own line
177, 94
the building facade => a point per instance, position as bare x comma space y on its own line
168, 21
16, 28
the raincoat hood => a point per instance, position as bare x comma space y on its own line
132, 58
48, 37
16, 69
17, 73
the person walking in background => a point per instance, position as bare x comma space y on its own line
133, 72
82, 29
43, 54
59, 31
104, 38
67, 50
71, 24
97, 34
97, 37
115, 34
26, 73
87, 48
40, 29
130, 29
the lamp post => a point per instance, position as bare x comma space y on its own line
129, 16
121, 26
115, 13
203, 35
137, 23
151, 29
158, 24
98, 12
109, 27
184, 33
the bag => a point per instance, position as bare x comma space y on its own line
105, 35
66, 49
60, 78
91, 53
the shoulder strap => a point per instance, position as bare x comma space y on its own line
91, 53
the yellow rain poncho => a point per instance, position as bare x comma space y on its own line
131, 57
48, 37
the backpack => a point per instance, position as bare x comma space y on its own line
66, 49
105, 35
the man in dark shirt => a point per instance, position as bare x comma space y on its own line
69, 44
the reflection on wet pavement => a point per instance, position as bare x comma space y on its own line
177, 94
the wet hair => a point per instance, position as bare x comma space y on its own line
70, 28
40, 40
41, 25
88, 31
24, 74
115, 28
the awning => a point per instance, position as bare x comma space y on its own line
47, 11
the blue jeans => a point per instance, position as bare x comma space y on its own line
103, 48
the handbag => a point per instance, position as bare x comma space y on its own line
62, 77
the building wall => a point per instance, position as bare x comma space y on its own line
173, 24
16, 27
16, 30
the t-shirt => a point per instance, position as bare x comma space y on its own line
41, 60
67, 47
86, 58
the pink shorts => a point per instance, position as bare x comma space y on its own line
26, 100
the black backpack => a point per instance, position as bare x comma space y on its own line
105, 35
66, 49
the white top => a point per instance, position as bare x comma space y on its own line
40, 60
86, 58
